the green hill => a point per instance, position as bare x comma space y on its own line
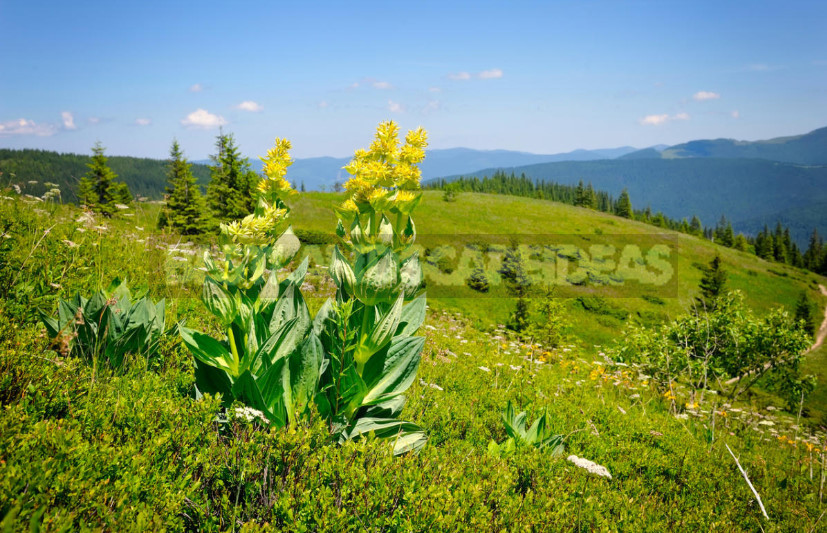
741, 189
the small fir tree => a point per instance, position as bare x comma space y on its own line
804, 314
518, 284
184, 210
100, 190
624, 205
712, 285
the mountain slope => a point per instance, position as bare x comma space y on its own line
741, 189
807, 149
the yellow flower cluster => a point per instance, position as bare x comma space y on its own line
275, 167
256, 229
270, 215
386, 173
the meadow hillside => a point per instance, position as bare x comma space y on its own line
84, 446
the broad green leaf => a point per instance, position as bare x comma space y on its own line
413, 315
218, 301
390, 372
381, 333
277, 346
403, 436
208, 350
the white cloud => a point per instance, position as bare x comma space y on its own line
22, 126
68, 120
196, 88
323, 104
143, 121
382, 85
201, 118
705, 95
434, 90
492, 74
460, 76
395, 107
93, 120
354, 85
735, 114
249, 105
432, 106
657, 120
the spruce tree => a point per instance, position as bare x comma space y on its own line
100, 188
813, 254
804, 314
230, 193
86, 193
518, 284
712, 285
695, 226
478, 280
185, 209
624, 205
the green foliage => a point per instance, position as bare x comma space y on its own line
478, 280
712, 284
708, 347
623, 207
109, 325
804, 314
539, 435
515, 277
231, 192
184, 210
550, 322
98, 188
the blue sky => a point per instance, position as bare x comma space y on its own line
541, 77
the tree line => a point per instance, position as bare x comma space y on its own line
775, 245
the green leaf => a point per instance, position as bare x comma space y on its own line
212, 380
404, 436
390, 372
218, 301
381, 333
413, 315
208, 350
277, 346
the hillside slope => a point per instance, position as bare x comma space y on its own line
741, 189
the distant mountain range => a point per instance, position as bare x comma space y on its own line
318, 172
752, 183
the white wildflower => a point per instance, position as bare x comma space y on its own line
69, 243
592, 467
484, 368
121, 206
766, 423
249, 414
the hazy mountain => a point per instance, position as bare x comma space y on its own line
807, 149
316, 172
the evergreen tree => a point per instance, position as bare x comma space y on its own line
804, 314
623, 208
231, 192
478, 280
591, 197
740, 243
712, 285
303, 189
518, 284
101, 191
812, 256
549, 323
695, 226
185, 209
86, 193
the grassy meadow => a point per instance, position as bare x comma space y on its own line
86, 447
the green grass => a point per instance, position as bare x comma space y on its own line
87, 448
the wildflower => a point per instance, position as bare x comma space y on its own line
249, 414
590, 466
690, 405
484, 368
